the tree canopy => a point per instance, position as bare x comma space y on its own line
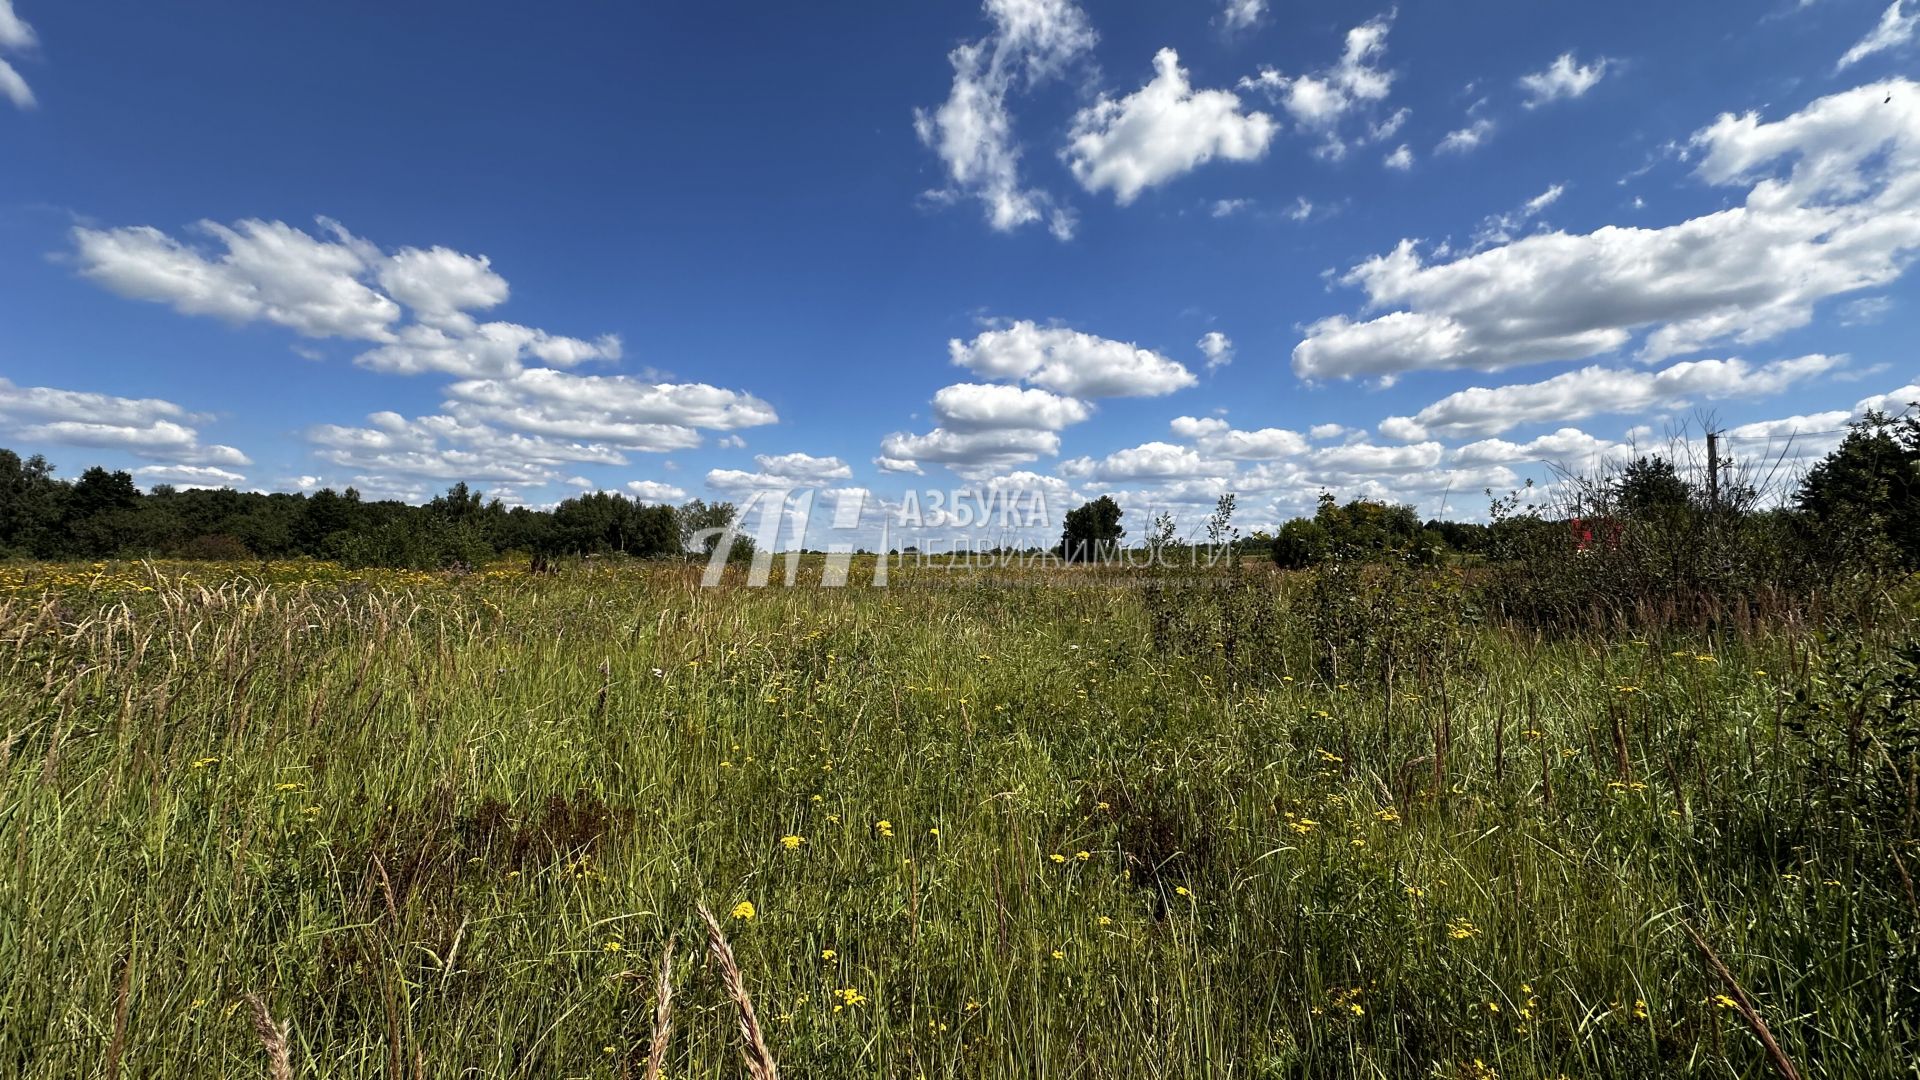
104, 513
1092, 532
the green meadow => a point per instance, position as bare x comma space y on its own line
1080, 823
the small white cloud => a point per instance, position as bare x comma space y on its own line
803, 468
188, 476
1466, 139
13, 86
1502, 228
1356, 85
1242, 14
1069, 362
1148, 461
1865, 311
1163, 130
334, 285
1388, 128
1896, 28
14, 31
1218, 348
613, 409
1229, 207
149, 427
654, 491
1401, 159
1591, 391
897, 465
1032, 42
1216, 437
1568, 446
967, 451
16, 36
437, 282
1564, 78
996, 406
402, 452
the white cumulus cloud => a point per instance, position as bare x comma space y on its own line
1896, 27
1218, 438
1070, 362
1564, 78
1163, 130
147, 427
334, 285
188, 476
969, 452
1569, 446
1830, 209
1218, 348
991, 406
616, 409
654, 491
1242, 14
1321, 101
1466, 139
1591, 391
1148, 461
1032, 41
15, 36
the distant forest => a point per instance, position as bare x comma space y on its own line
102, 514
1858, 505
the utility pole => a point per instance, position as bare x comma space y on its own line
1713, 470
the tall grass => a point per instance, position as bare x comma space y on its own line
986, 828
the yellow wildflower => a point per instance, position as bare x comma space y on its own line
743, 910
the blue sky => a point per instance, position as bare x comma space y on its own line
687, 251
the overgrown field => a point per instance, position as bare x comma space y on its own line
962, 826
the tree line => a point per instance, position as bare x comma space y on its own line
103, 513
1857, 507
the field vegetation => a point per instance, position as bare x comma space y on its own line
1386, 815
983, 827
